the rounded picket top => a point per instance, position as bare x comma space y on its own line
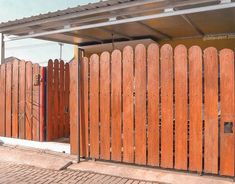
94, 57
105, 56
195, 54
85, 59
225, 52
116, 54
140, 47
153, 46
180, 48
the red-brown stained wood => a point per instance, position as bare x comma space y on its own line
50, 101
73, 106
66, 99
195, 109
140, 104
153, 103
227, 107
211, 141
36, 103
29, 101
94, 106
128, 111
61, 99
2, 100
15, 82
56, 99
8, 99
22, 93
181, 110
104, 106
167, 106
116, 108
42, 103
84, 107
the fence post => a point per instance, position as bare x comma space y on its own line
2, 48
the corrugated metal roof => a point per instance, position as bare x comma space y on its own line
78, 9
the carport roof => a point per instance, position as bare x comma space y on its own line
122, 20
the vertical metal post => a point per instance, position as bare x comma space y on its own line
2, 48
80, 55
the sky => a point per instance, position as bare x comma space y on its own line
37, 51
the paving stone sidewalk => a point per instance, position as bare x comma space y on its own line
11, 173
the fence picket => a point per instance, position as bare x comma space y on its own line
56, 99
128, 110
3, 100
61, 99
50, 102
153, 101
66, 99
181, 110
195, 109
167, 106
227, 108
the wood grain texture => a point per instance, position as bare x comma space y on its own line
211, 138
50, 101
181, 109
94, 106
8, 99
36, 104
195, 106
116, 108
73, 106
227, 107
167, 106
140, 104
15, 82
56, 99
22, 99
128, 101
29, 101
3, 100
105, 106
66, 99
84, 107
153, 104
42, 103
61, 99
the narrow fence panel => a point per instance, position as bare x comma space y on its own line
105, 106
73, 101
15, 82
42, 103
195, 108
211, 138
116, 109
84, 107
128, 101
22, 93
167, 106
56, 99
140, 104
2, 100
29, 101
50, 102
181, 110
66, 99
61, 99
36, 101
8, 99
94, 106
227, 105
153, 101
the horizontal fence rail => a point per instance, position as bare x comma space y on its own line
22, 86
165, 107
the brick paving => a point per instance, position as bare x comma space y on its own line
11, 173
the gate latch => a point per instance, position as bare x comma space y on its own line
228, 127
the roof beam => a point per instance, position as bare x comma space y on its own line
191, 23
122, 6
78, 35
134, 19
116, 32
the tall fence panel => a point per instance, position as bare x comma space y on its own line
19, 105
163, 107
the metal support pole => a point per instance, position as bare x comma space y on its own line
2, 49
80, 55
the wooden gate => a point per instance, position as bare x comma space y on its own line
57, 100
22, 100
165, 107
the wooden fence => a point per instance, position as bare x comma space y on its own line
165, 107
57, 100
22, 87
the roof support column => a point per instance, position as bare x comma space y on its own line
2, 48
